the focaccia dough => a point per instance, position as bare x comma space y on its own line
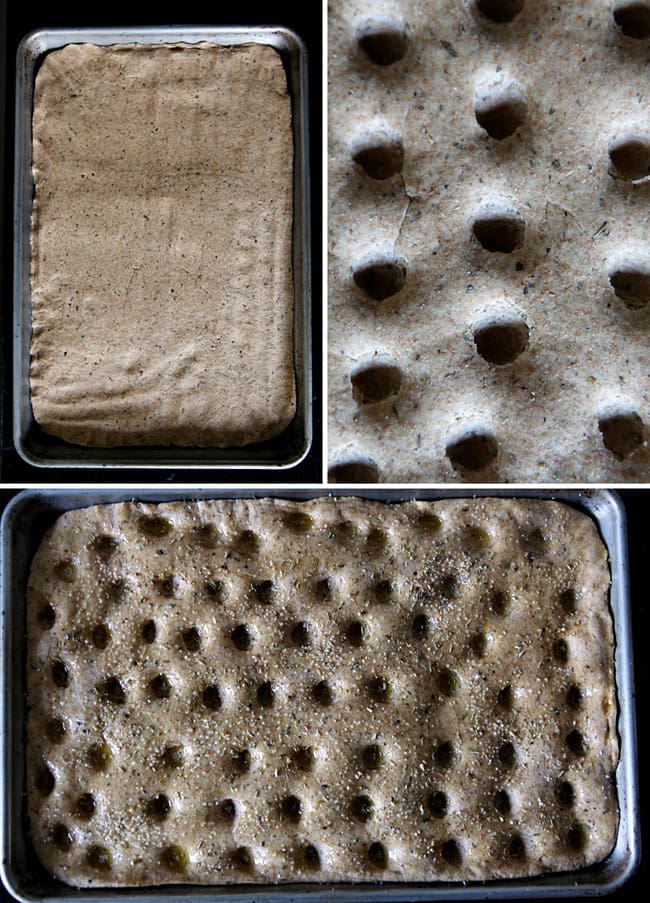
561, 393
162, 298
482, 670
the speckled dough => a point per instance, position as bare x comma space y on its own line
162, 298
489, 240
450, 661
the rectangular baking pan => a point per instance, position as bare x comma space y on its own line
25, 521
32, 443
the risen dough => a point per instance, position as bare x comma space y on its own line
161, 268
487, 620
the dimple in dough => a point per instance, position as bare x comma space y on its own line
162, 298
482, 670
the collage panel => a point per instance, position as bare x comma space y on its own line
164, 218
373, 694
489, 265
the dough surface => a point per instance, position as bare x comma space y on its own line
162, 297
482, 670
441, 117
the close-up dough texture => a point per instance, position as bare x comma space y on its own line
162, 296
334, 690
489, 240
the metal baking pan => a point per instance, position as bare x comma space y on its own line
32, 443
28, 516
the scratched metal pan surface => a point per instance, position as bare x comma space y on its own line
25, 521
32, 443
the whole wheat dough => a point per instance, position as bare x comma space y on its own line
469, 640
161, 245
574, 403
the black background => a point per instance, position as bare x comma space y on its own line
305, 19
637, 505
